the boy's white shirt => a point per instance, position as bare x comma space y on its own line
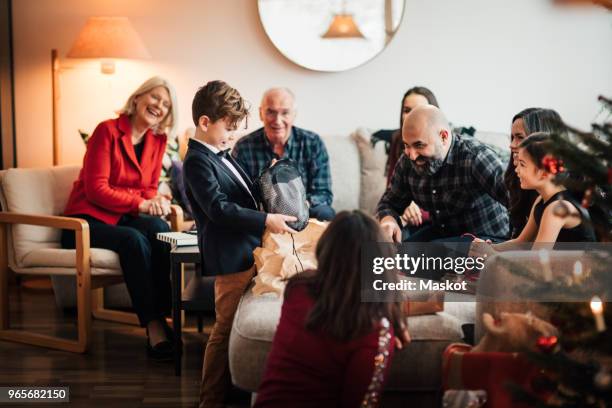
227, 163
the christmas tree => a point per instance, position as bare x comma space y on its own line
587, 156
576, 367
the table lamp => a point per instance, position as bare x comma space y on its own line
106, 38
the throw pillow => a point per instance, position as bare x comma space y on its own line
373, 160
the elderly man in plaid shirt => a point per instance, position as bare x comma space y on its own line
279, 139
458, 180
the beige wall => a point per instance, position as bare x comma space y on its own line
484, 59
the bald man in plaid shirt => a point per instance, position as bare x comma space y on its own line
458, 180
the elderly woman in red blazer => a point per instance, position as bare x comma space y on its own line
116, 193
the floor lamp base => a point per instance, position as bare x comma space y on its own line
55, 106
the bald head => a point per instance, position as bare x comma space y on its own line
274, 94
427, 137
426, 117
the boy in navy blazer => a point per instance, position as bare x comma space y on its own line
229, 224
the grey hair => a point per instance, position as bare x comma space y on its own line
280, 88
169, 123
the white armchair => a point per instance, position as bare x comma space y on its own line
30, 229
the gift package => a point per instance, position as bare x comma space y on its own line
282, 256
464, 399
490, 372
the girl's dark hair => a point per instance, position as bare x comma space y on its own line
520, 201
336, 285
419, 90
537, 145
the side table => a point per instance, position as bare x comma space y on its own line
198, 296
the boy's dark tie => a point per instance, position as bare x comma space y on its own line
223, 153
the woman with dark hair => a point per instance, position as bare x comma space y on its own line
525, 123
330, 348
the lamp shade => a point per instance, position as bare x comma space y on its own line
108, 37
343, 26
604, 3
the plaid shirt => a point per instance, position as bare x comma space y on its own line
466, 195
254, 154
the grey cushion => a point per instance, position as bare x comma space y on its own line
416, 367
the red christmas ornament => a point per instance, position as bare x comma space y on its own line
547, 344
609, 175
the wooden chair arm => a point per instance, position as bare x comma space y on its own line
83, 279
80, 226
53, 221
176, 217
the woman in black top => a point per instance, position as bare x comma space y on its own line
525, 123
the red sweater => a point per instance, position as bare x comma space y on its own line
112, 182
310, 369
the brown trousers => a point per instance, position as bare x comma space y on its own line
216, 379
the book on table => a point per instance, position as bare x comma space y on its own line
178, 239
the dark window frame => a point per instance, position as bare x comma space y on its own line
8, 146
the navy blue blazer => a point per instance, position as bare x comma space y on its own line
229, 225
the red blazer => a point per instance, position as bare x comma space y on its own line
112, 182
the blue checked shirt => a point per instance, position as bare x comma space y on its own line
466, 195
254, 154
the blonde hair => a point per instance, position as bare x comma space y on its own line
168, 124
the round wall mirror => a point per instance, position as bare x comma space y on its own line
330, 35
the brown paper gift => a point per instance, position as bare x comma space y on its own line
276, 261
422, 302
434, 305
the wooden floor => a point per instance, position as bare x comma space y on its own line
114, 373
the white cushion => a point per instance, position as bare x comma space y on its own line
57, 257
37, 191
